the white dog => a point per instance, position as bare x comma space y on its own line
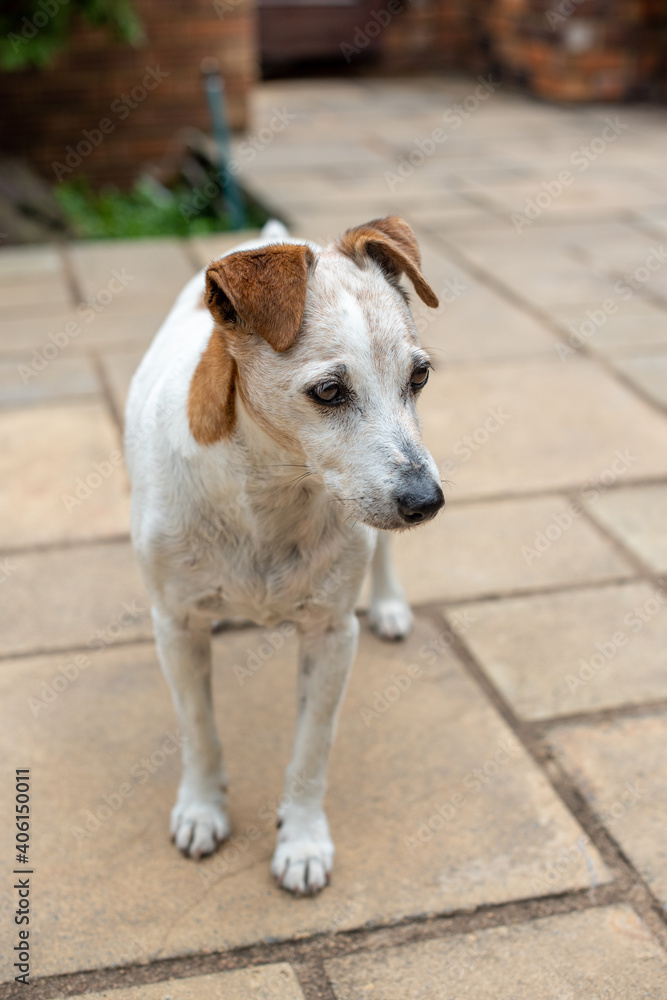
272, 440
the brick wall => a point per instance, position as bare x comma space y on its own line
428, 35
42, 112
569, 50
577, 50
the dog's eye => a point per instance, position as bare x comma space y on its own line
328, 392
419, 377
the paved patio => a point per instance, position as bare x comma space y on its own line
500, 824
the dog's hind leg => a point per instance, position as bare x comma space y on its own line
304, 853
198, 820
389, 613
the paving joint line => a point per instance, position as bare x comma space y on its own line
623, 550
562, 492
596, 716
71, 277
63, 545
191, 255
426, 609
321, 947
69, 650
107, 394
567, 791
484, 275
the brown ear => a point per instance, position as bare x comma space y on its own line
265, 288
392, 244
212, 396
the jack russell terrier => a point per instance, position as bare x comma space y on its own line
273, 442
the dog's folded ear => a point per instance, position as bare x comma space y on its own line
390, 243
265, 288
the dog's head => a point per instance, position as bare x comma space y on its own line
323, 353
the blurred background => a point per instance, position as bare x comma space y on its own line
67, 66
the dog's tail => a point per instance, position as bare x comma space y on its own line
274, 230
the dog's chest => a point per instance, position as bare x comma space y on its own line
271, 570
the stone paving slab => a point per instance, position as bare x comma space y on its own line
477, 549
63, 598
576, 651
120, 368
636, 326
648, 373
47, 294
535, 425
79, 330
63, 378
638, 517
150, 269
30, 263
125, 895
276, 981
606, 952
63, 476
621, 769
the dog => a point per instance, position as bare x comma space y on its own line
273, 442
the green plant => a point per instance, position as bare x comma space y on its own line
147, 210
34, 36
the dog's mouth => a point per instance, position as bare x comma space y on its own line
396, 519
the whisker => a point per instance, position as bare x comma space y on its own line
299, 479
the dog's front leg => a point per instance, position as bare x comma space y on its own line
304, 853
389, 613
198, 820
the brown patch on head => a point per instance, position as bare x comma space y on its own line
264, 288
390, 243
211, 401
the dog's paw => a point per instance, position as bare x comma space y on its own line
303, 858
198, 825
391, 618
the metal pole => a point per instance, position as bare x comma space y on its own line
215, 92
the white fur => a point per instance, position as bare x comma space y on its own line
226, 531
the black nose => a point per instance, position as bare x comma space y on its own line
421, 505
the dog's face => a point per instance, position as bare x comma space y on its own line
336, 370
